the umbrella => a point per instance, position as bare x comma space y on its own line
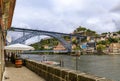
18, 47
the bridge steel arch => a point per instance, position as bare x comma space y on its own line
55, 35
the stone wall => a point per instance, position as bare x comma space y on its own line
1, 55
54, 73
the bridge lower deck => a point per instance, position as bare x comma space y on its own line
19, 74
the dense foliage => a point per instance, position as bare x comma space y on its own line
85, 31
51, 42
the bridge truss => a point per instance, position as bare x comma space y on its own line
32, 33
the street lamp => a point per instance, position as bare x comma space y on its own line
78, 52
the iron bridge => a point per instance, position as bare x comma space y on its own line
32, 33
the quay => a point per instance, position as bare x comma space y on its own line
37, 71
19, 74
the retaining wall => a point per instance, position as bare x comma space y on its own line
2, 63
54, 73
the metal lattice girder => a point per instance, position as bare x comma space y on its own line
33, 33
57, 36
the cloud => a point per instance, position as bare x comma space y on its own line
60, 14
65, 16
116, 19
62, 6
115, 14
116, 8
101, 23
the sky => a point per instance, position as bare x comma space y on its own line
66, 15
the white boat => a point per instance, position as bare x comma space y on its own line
51, 62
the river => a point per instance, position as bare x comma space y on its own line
103, 65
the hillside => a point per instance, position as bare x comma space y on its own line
51, 43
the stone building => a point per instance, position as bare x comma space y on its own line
114, 48
6, 14
59, 47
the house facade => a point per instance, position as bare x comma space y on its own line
114, 48
6, 14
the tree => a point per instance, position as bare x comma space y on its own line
118, 32
100, 47
106, 42
113, 40
104, 33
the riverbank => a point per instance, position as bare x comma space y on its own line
52, 73
73, 53
101, 65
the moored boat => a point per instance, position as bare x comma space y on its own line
51, 62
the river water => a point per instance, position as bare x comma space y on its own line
104, 65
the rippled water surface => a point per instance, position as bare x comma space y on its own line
105, 65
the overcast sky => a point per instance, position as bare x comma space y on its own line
66, 15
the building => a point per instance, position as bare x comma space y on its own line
114, 35
74, 46
59, 47
114, 48
91, 47
6, 14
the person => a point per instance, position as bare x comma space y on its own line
44, 58
13, 58
5, 56
9, 56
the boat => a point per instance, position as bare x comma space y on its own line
51, 62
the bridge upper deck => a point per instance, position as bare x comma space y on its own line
32, 30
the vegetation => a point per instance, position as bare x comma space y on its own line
51, 42
109, 41
118, 32
101, 45
104, 33
103, 42
113, 40
85, 31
